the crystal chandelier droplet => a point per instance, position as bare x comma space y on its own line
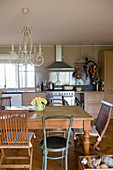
25, 52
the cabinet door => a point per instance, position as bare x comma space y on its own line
16, 99
108, 77
105, 61
92, 109
28, 97
101, 62
92, 102
93, 97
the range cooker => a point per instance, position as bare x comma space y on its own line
69, 96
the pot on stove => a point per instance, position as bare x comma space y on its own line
50, 86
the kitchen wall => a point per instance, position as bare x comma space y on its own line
60, 78
71, 54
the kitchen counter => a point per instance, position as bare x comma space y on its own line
11, 92
93, 91
20, 92
82, 91
60, 90
19, 98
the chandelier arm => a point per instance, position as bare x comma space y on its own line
25, 52
31, 44
39, 60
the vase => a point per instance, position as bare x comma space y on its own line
40, 107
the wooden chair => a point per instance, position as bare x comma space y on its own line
57, 102
15, 135
5, 101
100, 124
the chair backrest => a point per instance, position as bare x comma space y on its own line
13, 127
45, 131
57, 102
103, 117
5, 101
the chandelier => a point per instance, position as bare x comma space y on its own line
26, 53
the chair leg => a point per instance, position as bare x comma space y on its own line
96, 144
29, 152
45, 161
62, 160
1, 161
31, 158
66, 160
4, 155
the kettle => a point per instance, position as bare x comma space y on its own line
51, 86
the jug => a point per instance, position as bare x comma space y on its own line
51, 86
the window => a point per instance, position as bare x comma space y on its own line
17, 76
2, 76
27, 76
11, 76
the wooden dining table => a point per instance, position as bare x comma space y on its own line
81, 119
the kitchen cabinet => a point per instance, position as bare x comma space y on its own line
105, 61
92, 102
28, 97
16, 98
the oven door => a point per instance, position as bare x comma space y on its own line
48, 97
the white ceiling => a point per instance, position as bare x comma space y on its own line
70, 22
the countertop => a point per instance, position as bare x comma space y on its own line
20, 92
93, 91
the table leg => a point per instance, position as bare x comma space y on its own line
87, 126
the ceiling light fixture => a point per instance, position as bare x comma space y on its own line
26, 55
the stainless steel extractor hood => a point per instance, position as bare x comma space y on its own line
59, 65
